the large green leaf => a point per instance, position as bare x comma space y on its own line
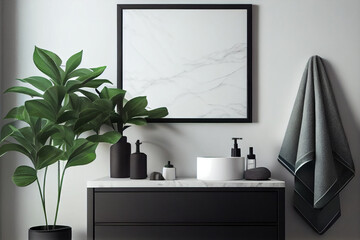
28, 133
86, 116
54, 96
21, 114
46, 65
73, 62
18, 113
109, 137
84, 103
74, 101
96, 72
80, 145
82, 154
114, 94
94, 124
37, 126
158, 113
135, 107
24, 176
79, 73
94, 109
40, 108
115, 117
23, 140
86, 78
40, 83
137, 121
47, 155
93, 116
64, 135
95, 83
24, 90
70, 84
89, 95
119, 100
75, 85
66, 116
47, 131
103, 105
76, 144
57, 60
62, 76
54, 57
8, 147
81, 159
6, 131
15, 113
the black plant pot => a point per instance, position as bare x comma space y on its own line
120, 159
57, 233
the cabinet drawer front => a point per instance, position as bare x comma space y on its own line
186, 232
178, 207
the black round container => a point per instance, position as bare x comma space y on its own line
58, 232
120, 159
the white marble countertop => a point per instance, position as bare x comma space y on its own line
108, 182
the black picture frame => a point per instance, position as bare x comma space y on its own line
120, 61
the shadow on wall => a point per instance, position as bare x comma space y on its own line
8, 196
350, 205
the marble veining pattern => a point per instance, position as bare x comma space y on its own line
191, 61
108, 182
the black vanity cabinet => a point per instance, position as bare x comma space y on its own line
186, 213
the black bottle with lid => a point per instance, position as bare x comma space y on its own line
138, 165
251, 159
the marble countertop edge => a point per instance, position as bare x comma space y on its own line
108, 182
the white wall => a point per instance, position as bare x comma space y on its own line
286, 34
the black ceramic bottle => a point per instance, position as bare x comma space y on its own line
138, 163
120, 159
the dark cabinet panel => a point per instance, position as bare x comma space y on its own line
186, 232
177, 207
186, 213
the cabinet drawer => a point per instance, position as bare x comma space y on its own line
190, 207
186, 232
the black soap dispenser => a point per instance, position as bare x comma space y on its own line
236, 151
138, 163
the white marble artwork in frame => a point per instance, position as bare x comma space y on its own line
192, 61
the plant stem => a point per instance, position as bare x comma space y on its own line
43, 203
58, 173
44, 181
59, 195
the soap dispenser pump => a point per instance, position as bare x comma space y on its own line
236, 151
138, 163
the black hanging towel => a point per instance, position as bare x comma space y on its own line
315, 149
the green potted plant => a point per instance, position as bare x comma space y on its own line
46, 129
113, 109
